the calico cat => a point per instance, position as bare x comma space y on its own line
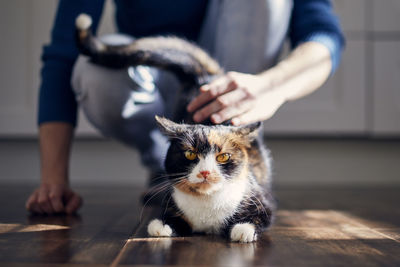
218, 175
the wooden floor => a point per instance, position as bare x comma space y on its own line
314, 227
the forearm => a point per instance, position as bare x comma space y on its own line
301, 73
55, 145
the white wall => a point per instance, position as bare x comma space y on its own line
25, 27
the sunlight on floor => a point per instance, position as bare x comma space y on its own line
328, 225
20, 228
316, 225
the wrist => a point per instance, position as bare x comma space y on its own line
52, 178
55, 142
274, 80
302, 72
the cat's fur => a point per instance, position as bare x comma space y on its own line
230, 197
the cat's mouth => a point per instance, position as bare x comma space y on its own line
201, 185
204, 187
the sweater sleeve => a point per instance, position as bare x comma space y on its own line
56, 98
314, 20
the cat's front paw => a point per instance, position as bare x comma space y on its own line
244, 233
157, 228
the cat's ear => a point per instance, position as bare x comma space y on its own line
168, 127
251, 130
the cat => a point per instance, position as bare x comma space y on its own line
219, 176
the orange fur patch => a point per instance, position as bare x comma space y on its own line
230, 143
226, 141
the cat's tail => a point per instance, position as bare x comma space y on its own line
183, 58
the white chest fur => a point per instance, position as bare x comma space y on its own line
209, 213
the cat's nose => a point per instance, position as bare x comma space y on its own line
205, 174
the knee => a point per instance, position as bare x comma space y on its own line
111, 101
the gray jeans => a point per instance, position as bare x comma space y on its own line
122, 104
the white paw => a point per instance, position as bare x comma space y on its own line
157, 228
244, 233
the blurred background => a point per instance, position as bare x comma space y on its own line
347, 133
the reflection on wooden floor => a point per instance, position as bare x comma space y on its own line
320, 227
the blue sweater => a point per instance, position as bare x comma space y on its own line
312, 20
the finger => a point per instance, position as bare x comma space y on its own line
31, 200
32, 205
74, 203
44, 202
235, 96
211, 91
37, 209
205, 88
56, 200
206, 112
231, 111
231, 104
220, 82
230, 101
203, 98
245, 118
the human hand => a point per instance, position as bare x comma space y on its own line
53, 198
244, 98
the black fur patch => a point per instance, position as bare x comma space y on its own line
257, 209
230, 168
174, 217
176, 162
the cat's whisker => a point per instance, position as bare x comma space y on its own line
179, 180
163, 182
262, 206
163, 176
145, 204
159, 185
166, 205
160, 188
258, 203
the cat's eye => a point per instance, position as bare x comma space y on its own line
224, 157
190, 155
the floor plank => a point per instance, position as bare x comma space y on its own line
314, 227
96, 236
